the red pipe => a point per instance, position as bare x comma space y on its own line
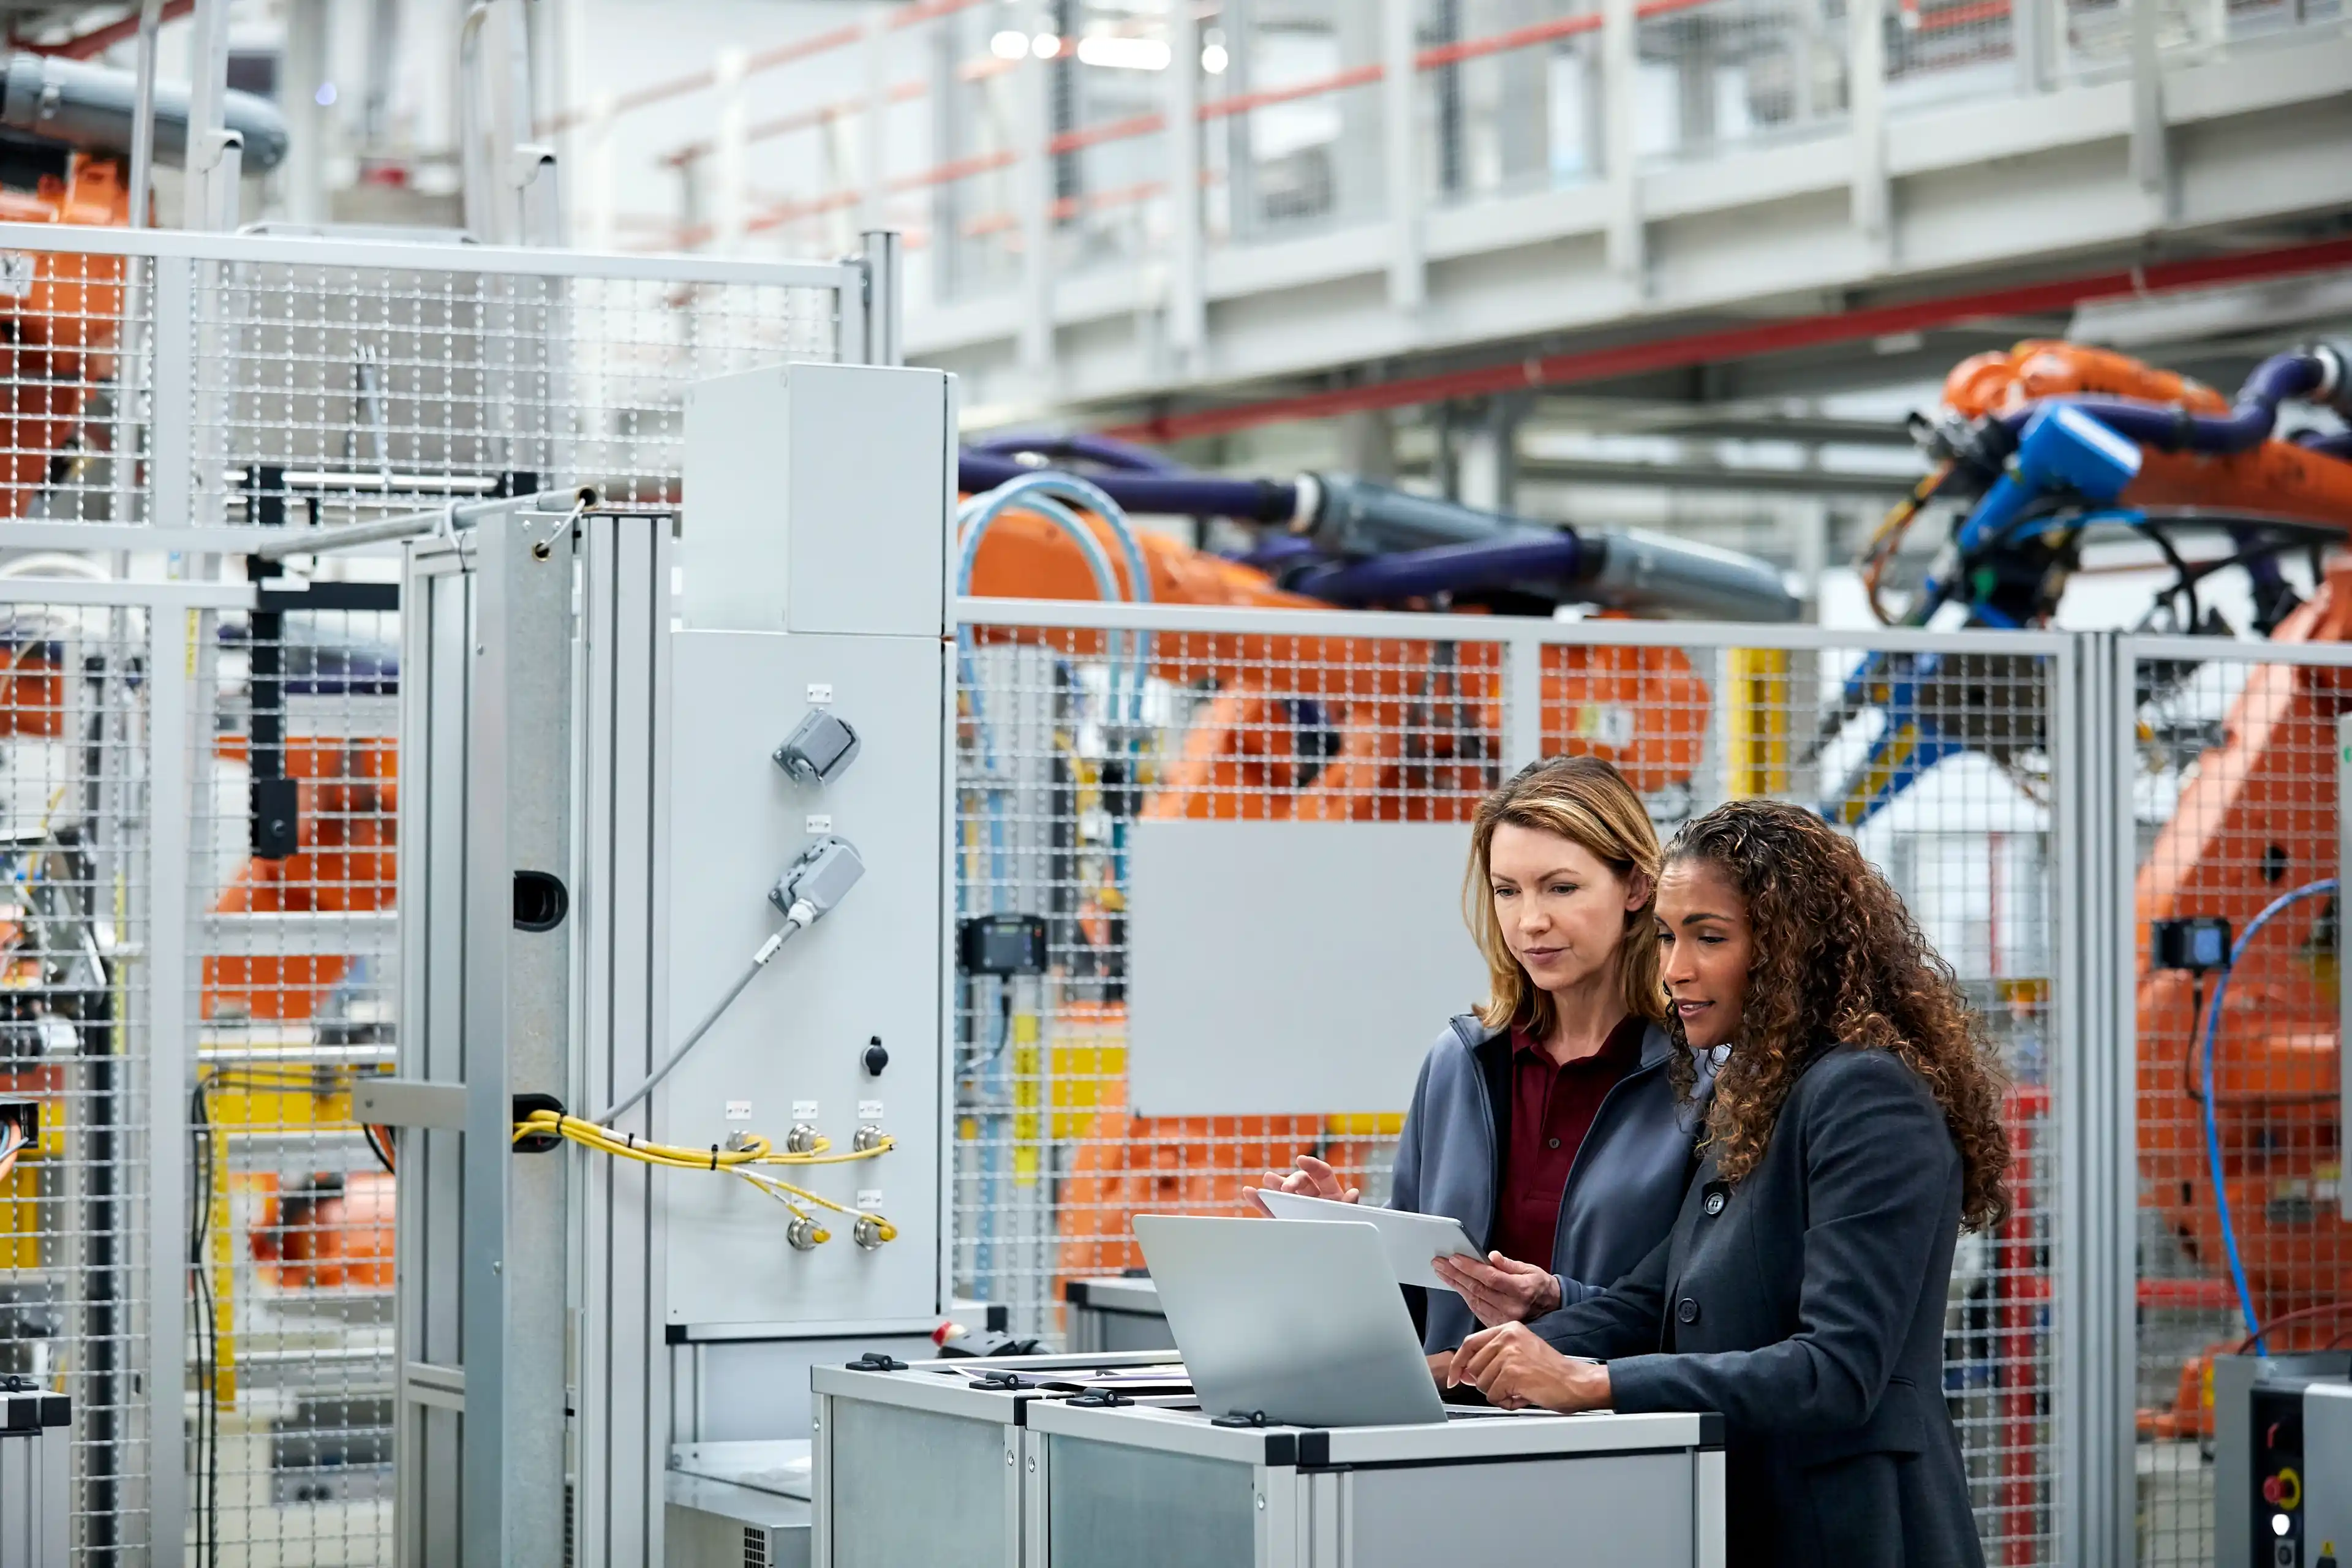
1717, 345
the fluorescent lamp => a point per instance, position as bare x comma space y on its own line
1124, 53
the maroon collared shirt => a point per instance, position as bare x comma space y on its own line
1552, 1108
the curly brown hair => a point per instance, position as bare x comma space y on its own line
1836, 957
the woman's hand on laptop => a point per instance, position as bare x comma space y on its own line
1500, 1289
1314, 1178
1515, 1369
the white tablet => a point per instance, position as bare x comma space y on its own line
1410, 1239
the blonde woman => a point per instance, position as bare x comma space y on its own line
1545, 1121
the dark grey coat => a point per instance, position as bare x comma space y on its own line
1622, 1190
1807, 1305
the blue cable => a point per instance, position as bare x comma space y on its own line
2213, 1128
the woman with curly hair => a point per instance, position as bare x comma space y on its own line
1854, 1129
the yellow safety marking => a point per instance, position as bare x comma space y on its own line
1028, 1095
20, 1218
1878, 776
1756, 714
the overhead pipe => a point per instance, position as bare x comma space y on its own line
96, 108
2317, 371
1391, 546
1161, 495
1082, 445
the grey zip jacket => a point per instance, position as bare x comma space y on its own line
1622, 1192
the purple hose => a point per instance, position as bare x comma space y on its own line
2335, 446
1117, 456
1519, 563
1161, 495
2171, 429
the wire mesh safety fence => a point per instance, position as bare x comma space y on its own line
1510, 93
2234, 777
75, 995
304, 393
291, 1202
71, 385
954, 130
1074, 743
2095, 36
333, 395
1720, 73
1291, 119
280, 390
1942, 50
1107, 138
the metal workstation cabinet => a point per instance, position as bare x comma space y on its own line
934, 1463
1621, 1489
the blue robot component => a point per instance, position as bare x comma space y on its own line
2062, 453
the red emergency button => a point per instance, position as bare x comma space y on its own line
2273, 1490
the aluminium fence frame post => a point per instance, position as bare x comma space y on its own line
2095, 1123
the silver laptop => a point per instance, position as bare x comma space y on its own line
1298, 1319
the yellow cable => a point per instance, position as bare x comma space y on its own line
755, 1150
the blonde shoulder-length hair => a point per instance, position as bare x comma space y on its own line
1587, 802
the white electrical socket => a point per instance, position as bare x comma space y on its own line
820, 692
869, 1110
739, 1110
818, 823
805, 1111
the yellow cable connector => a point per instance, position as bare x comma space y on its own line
747, 1151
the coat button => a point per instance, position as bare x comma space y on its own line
1714, 1203
1686, 1311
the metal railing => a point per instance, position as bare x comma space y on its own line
1018, 144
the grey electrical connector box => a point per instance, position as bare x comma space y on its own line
819, 749
820, 877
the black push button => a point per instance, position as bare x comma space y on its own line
1686, 1311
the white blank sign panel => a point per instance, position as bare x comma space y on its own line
1292, 968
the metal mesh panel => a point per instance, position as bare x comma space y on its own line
2096, 40
333, 395
2235, 808
74, 768
1937, 765
1943, 50
1107, 138
1292, 139
1509, 94
953, 135
1718, 73
290, 1318
70, 385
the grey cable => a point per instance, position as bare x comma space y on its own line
759, 962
